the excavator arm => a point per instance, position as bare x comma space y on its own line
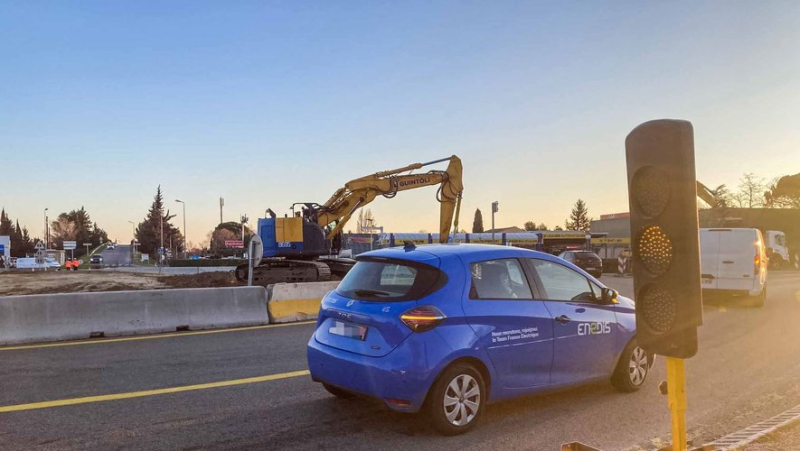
357, 193
706, 195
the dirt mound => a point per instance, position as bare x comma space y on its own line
202, 280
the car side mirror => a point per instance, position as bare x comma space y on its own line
609, 296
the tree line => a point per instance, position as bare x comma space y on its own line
755, 192
578, 219
75, 225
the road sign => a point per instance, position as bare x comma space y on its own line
70, 245
238, 244
2, 248
39, 246
87, 244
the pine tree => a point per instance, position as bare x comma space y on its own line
148, 233
579, 218
6, 226
477, 223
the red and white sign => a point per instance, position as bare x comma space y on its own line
234, 243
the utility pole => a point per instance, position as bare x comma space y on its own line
46, 230
244, 219
133, 256
185, 249
221, 204
495, 209
161, 224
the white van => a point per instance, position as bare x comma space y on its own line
734, 261
30, 263
777, 252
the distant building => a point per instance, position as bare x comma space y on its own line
505, 230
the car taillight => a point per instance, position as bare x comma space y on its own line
420, 319
757, 263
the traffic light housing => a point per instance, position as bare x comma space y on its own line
662, 194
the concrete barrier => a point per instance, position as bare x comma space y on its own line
52, 317
289, 302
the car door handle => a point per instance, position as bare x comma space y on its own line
563, 319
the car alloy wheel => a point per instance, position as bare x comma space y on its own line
638, 366
462, 400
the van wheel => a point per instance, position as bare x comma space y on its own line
456, 400
758, 300
775, 263
632, 368
338, 392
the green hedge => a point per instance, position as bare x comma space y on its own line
204, 263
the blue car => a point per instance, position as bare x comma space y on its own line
446, 329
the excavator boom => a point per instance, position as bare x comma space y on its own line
357, 193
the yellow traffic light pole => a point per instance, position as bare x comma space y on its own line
676, 397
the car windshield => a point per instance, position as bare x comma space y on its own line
390, 280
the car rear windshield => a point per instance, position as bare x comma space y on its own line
586, 256
390, 280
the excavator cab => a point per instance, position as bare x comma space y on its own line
294, 237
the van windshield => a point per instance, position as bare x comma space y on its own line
387, 280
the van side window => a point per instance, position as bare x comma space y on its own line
499, 279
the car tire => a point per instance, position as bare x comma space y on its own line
632, 369
338, 392
759, 299
456, 400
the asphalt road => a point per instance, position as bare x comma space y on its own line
748, 369
119, 256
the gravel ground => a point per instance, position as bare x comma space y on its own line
14, 283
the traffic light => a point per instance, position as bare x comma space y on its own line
663, 204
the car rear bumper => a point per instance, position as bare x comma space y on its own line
401, 375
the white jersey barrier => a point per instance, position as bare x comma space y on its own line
289, 302
53, 317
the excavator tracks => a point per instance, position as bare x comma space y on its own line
277, 270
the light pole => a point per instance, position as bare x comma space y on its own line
495, 208
46, 230
184, 228
161, 253
133, 227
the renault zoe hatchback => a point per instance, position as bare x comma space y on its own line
447, 329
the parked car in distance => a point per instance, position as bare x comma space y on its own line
96, 260
586, 260
734, 262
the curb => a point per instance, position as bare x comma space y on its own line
756, 431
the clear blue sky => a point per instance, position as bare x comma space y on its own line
268, 103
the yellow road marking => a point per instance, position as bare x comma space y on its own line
140, 394
152, 337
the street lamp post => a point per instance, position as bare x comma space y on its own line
46, 230
184, 228
133, 228
495, 209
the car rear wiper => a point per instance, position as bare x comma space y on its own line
371, 293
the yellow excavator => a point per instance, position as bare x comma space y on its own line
303, 247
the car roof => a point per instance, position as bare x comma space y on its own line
463, 250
